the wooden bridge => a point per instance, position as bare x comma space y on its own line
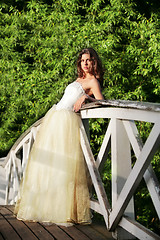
12, 229
121, 137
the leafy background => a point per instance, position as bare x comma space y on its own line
39, 45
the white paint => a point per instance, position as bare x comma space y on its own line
120, 134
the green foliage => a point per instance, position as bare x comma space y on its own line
39, 43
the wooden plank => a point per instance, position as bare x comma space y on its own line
63, 233
105, 147
75, 233
10, 207
8, 179
7, 231
95, 176
137, 229
94, 204
37, 228
39, 231
133, 136
43, 231
103, 230
148, 106
17, 144
119, 113
153, 187
149, 176
121, 168
58, 232
16, 182
47, 232
19, 226
1, 237
135, 176
91, 232
120, 162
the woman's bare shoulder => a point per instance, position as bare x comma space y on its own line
94, 81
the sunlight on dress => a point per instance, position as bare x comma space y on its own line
55, 188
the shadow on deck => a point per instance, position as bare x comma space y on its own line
11, 228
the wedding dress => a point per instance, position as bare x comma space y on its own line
54, 189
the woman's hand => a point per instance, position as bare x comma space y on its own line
79, 103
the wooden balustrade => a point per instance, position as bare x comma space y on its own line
121, 137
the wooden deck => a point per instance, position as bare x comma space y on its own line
12, 229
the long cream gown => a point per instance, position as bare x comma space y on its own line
55, 189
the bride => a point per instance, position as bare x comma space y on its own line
54, 189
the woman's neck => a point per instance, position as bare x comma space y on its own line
88, 76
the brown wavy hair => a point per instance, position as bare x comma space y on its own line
96, 69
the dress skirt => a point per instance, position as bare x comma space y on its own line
55, 188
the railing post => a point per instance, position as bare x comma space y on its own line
121, 167
86, 127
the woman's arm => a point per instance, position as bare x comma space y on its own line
80, 102
95, 90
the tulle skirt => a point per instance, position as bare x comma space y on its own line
55, 188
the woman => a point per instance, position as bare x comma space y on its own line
55, 188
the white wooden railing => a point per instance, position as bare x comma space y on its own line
121, 137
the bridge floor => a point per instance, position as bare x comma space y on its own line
11, 228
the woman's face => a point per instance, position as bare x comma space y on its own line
86, 63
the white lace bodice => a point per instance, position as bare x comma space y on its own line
72, 93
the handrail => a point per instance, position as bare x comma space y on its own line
121, 135
149, 106
35, 125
